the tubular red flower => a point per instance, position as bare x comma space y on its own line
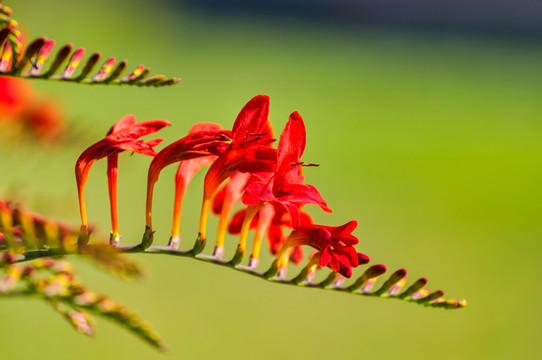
123, 136
285, 186
185, 172
196, 145
248, 152
335, 244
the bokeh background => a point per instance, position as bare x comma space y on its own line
425, 119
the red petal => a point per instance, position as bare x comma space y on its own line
237, 220
275, 238
293, 210
122, 124
141, 129
297, 255
259, 190
252, 119
137, 146
325, 258
153, 142
291, 144
301, 193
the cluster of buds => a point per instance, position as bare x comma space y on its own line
28, 62
244, 167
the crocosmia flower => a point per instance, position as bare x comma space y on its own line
123, 136
210, 141
185, 172
285, 186
335, 244
248, 152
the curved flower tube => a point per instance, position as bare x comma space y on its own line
185, 172
196, 145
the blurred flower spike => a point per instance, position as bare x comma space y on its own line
123, 136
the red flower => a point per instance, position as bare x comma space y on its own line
286, 186
248, 152
335, 244
209, 142
185, 172
123, 136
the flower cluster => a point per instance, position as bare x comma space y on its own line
244, 167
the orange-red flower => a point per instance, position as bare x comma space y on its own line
209, 142
285, 186
335, 244
248, 152
185, 172
123, 136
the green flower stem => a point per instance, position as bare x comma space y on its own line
427, 301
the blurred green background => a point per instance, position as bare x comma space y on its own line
432, 142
